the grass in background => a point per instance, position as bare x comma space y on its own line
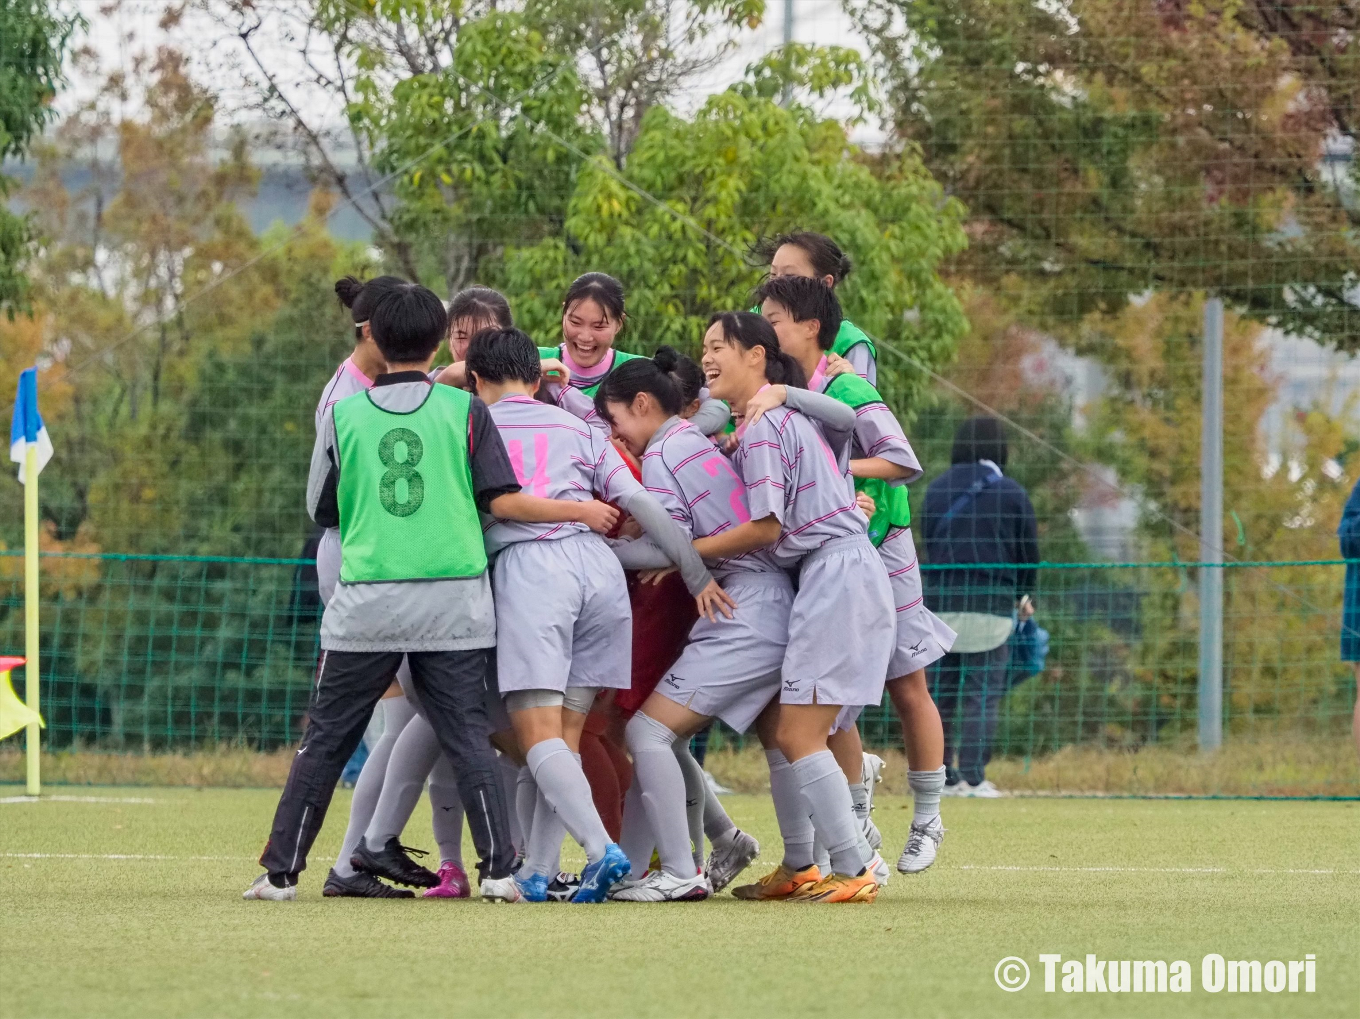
1280, 767
163, 931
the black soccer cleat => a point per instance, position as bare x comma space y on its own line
361, 886
563, 886
394, 863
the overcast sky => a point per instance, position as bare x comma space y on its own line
117, 31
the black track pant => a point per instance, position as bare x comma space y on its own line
452, 689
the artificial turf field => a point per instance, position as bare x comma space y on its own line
127, 902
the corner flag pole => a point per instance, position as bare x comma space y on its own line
31, 671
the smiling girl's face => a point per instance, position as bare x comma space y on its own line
461, 332
635, 423
733, 372
588, 332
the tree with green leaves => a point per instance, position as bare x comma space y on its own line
34, 38
1108, 149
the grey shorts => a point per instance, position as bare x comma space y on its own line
562, 616
730, 669
922, 637
841, 629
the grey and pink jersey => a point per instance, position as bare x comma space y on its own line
346, 381
573, 398
701, 491
802, 477
555, 455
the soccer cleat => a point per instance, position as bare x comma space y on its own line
533, 887
841, 888
923, 843
361, 886
878, 870
780, 883
394, 863
502, 889
563, 886
600, 876
731, 854
261, 888
871, 773
453, 883
658, 886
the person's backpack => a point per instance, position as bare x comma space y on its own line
1029, 652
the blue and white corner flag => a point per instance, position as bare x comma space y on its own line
27, 428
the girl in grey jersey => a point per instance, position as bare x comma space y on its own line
730, 668
806, 317
563, 621
803, 510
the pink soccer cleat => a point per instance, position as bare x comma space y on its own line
453, 883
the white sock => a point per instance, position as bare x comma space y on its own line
925, 790
823, 787
560, 780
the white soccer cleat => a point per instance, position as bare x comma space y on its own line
260, 888
658, 886
878, 867
983, 790
871, 773
502, 889
731, 854
923, 845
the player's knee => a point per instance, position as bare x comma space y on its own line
644, 734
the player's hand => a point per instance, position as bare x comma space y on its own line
729, 443
837, 365
454, 375
767, 399
600, 517
554, 371
714, 597
1025, 609
630, 528
866, 503
655, 576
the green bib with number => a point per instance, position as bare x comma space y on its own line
850, 335
619, 357
405, 493
892, 504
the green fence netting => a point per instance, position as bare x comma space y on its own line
146, 653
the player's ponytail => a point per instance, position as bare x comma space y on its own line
639, 375
751, 331
362, 297
683, 371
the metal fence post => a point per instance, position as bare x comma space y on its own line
1211, 533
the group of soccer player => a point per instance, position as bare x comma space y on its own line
479, 522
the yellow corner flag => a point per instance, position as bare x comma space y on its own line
14, 713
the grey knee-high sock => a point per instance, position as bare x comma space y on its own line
826, 793
507, 771
412, 759
526, 798
447, 809
397, 711
795, 825
696, 798
926, 787
635, 836
819, 854
661, 780
544, 851
563, 784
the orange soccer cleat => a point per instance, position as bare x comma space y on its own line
840, 888
780, 883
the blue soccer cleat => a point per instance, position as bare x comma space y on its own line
600, 876
534, 887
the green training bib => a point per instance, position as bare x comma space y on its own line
892, 504
850, 335
619, 357
405, 495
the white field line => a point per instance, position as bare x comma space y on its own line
1130, 870
75, 799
